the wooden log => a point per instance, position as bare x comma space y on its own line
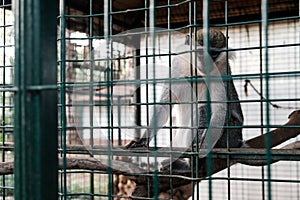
144, 179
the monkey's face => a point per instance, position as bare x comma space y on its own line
206, 60
214, 62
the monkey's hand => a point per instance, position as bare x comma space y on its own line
143, 142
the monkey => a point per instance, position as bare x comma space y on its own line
219, 91
235, 117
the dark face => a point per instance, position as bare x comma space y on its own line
213, 55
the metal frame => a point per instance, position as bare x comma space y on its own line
36, 163
42, 95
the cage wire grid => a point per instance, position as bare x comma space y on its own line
113, 61
117, 113
6, 96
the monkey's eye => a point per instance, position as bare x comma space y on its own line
214, 54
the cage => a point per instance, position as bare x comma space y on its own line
213, 83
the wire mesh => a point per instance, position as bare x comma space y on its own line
6, 95
115, 60
35, 101
117, 85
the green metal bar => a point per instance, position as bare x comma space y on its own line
170, 95
152, 21
35, 111
108, 81
261, 103
63, 117
227, 105
275, 19
91, 94
265, 23
194, 161
146, 32
257, 180
3, 121
206, 45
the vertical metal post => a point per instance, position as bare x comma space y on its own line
152, 21
91, 93
35, 100
4, 96
62, 109
206, 45
265, 19
109, 79
227, 105
261, 79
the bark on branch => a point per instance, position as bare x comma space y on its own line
289, 130
179, 178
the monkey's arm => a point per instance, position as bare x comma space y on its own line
218, 97
158, 119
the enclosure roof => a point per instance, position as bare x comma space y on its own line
129, 14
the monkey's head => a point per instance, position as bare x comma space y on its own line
217, 42
216, 38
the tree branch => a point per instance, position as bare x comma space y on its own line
289, 130
279, 135
179, 178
